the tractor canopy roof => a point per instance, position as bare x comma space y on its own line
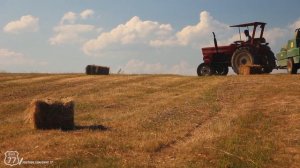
250, 24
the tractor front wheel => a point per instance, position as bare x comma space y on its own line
221, 69
205, 70
291, 67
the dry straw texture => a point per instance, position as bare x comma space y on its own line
158, 120
50, 114
250, 69
245, 70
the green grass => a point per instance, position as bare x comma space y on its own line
250, 144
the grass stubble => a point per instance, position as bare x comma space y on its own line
158, 120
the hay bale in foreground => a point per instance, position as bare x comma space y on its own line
49, 114
96, 70
245, 70
249, 69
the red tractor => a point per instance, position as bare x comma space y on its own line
252, 52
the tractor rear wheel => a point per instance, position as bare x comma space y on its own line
241, 56
291, 67
221, 69
205, 70
269, 62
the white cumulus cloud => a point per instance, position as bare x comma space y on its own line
183, 67
10, 58
202, 32
69, 17
69, 31
200, 35
135, 31
26, 23
295, 25
197, 35
277, 37
87, 13
65, 34
141, 67
72, 17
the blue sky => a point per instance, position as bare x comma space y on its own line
137, 36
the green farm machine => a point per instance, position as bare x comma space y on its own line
289, 56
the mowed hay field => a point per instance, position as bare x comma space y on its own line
157, 120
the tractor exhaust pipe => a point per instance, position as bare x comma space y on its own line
216, 43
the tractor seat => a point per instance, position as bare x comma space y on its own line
238, 42
259, 40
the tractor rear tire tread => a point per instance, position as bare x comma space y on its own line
234, 61
271, 61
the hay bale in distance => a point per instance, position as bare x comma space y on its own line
96, 70
49, 114
102, 70
88, 69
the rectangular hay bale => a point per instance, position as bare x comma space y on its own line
90, 70
102, 70
97, 70
249, 69
245, 70
49, 114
